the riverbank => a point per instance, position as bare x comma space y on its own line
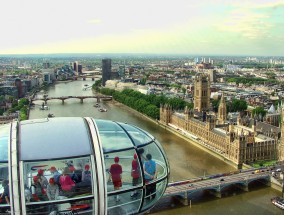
63, 81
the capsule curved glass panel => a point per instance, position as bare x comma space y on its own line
54, 138
4, 140
58, 182
4, 170
82, 165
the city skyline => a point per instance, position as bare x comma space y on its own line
205, 27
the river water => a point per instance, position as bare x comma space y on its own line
186, 160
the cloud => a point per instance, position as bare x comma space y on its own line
257, 4
249, 24
94, 21
270, 4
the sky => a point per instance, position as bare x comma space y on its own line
200, 27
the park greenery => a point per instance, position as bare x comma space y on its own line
259, 111
263, 163
235, 105
257, 65
21, 72
251, 80
145, 104
20, 106
96, 85
270, 75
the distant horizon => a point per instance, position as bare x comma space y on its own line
142, 54
180, 27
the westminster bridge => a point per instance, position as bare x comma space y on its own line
218, 185
81, 98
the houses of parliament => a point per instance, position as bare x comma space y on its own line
241, 141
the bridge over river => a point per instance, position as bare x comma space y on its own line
217, 184
81, 98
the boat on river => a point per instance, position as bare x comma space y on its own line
50, 115
102, 109
278, 202
86, 87
44, 107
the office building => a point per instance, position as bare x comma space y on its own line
106, 70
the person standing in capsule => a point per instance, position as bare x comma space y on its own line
115, 175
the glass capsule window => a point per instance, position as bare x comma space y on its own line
112, 136
4, 171
4, 189
138, 136
57, 182
83, 165
4, 140
119, 171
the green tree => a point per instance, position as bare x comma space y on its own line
23, 101
23, 113
177, 103
177, 86
97, 85
152, 111
143, 81
237, 105
215, 104
141, 102
2, 98
270, 75
259, 111
140, 105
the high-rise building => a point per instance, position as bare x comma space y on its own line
75, 66
196, 60
212, 75
121, 72
106, 70
80, 67
18, 84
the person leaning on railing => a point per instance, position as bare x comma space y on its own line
150, 173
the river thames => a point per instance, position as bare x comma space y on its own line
186, 160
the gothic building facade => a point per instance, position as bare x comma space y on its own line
281, 146
202, 92
238, 142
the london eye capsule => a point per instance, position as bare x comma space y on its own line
67, 165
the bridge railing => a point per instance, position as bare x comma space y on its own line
219, 175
